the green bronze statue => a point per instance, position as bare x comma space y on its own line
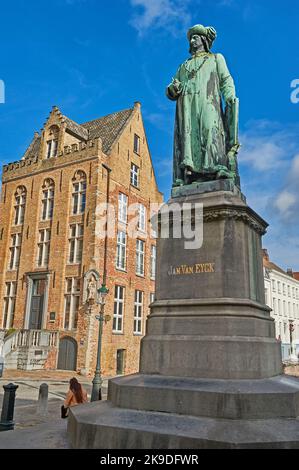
206, 140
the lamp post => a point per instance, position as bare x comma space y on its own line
293, 358
96, 393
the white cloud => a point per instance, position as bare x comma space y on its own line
171, 15
284, 202
268, 146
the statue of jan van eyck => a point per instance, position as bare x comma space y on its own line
206, 134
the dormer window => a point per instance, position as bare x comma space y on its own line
52, 146
52, 142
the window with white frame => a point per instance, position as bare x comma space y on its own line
121, 250
137, 144
76, 243
134, 175
79, 193
48, 200
122, 208
141, 217
9, 304
118, 314
153, 261
52, 147
20, 203
273, 285
15, 250
138, 310
71, 303
43, 248
140, 251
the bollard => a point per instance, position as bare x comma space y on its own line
1, 366
42, 406
7, 423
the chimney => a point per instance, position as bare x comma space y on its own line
290, 272
266, 254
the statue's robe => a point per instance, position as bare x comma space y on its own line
200, 142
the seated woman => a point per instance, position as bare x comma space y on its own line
76, 394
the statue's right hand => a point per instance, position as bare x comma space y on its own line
177, 85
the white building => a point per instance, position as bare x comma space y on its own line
282, 296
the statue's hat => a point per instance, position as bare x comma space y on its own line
206, 31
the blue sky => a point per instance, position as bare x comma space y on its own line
94, 57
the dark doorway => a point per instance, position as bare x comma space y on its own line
120, 362
67, 359
37, 304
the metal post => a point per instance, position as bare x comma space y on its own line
1, 365
97, 382
42, 405
7, 423
293, 358
291, 338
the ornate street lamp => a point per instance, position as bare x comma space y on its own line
96, 393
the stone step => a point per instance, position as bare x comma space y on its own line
99, 425
277, 397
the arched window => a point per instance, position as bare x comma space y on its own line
20, 203
52, 142
48, 199
79, 193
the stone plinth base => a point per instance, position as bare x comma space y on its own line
155, 412
102, 425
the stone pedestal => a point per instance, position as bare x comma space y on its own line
210, 368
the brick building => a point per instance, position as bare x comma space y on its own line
53, 248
